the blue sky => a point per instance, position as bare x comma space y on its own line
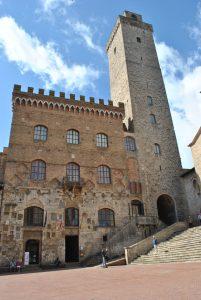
60, 44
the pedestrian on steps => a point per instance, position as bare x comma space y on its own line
199, 218
154, 243
104, 255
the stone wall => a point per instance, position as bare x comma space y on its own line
196, 153
193, 193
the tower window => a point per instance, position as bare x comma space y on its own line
152, 119
196, 186
129, 144
157, 149
134, 17
149, 101
138, 39
115, 50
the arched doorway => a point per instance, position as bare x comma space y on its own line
166, 209
32, 246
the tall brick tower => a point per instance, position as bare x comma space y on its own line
136, 80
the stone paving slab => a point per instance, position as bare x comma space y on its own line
181, 281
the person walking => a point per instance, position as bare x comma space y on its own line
154, 243
199, 218
104, 255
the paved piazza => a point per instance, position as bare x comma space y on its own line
167, 281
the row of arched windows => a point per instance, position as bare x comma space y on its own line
38, 172
34, 216
73, 137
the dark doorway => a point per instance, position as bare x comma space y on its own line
166, 209
32, 246
72, 248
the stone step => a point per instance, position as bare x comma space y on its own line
185, 246
169, 257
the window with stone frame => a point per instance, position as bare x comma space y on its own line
152, 119
73, 137
33, 216
72, 216
38, 170
101, 140
149, 100
157, 149
40, 133
106, 217
104, 175
73, 172
129, 144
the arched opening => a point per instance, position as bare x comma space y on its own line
166, 209
32, 246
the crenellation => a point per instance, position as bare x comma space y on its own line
62, 95
101, 102
30, 90
91, 99
51, 93
17, 88
41, 91
82, 98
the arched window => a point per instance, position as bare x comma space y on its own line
33, 216
106, 217
196, 186
104, 175
40, 133
129, 143
38, 170
72, 216
157, 149
73, 137
152, 119
73, 172
149, 101
101, 140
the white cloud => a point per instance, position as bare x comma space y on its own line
182, 80
86, 34
49, 5
42, 59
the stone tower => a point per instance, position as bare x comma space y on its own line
136, 80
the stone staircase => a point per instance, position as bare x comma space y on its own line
183, 247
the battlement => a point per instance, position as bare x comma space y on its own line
60, 102
132, 19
